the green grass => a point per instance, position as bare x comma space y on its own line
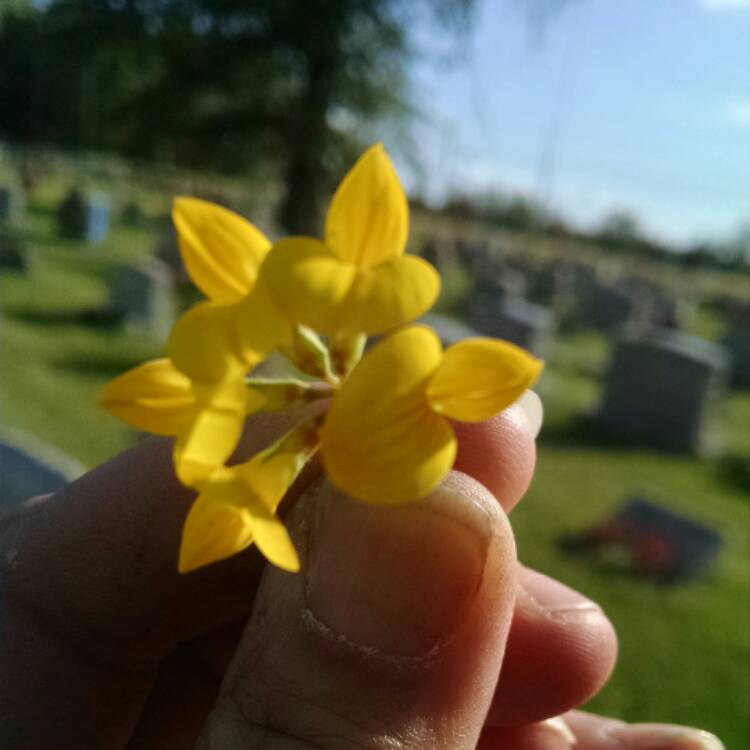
684, 650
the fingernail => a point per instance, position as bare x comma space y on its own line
552, 598
663, 737
531, 405
559, 727
396, 580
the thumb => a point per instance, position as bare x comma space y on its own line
391, 636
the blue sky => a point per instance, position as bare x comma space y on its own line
641, 105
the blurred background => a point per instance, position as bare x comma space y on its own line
579, 171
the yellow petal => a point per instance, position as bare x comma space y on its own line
244, 500
205, 342
262, 326
154, 397
380, 441
480, 377
307, 282
368, 219
222, 252
214, 529
268, 475
212, 434
388, 295
212, 342
272, 538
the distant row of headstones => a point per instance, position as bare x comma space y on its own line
662, 385
527, 302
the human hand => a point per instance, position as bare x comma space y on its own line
392, 636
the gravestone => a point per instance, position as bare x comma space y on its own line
651, 304
143, 296
168, 252
132, 215
738, 346
29, 467
11, 203
662, 389
651, 541
450, 330
83, 217
516, 320
14, 254
437, 252
610, 307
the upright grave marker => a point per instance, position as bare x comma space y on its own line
143, 296
83, 217
662, 388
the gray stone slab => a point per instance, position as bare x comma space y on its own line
516, 320
143, 296
12, 203
450, 330
738, 346
83, 217
662, 389
14, 253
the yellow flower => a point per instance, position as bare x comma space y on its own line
358, 280
205, 419
386, 438
237, 506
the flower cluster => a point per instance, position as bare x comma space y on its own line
385, 435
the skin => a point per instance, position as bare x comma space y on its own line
105, 646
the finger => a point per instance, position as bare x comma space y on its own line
561, 650
594, 732
552, 734
500, 453
391, 635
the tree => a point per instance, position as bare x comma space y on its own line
227, 84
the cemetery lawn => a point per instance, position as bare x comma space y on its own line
684, 650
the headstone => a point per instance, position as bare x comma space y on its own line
11, 203
435, 251
132, 215
144, 296
450, 330
738, 346
13, 251
651, 303
661, 390
83, 217
518, 321
29, 467
651, 541
168, 252
610, 307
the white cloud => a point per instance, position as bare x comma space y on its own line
719, 5
737, 112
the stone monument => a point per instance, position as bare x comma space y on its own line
661, 390
143, 296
